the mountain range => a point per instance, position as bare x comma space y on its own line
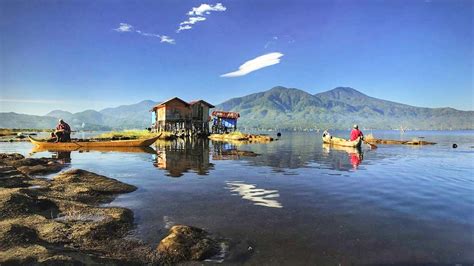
339, 108
277, 108
121, 117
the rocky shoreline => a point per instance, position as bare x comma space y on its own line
60, 220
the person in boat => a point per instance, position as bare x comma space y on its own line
326, 134
62, 133
355, 133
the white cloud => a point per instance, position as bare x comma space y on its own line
185, 27
197, 14
192, 20
124, 27
206, 9
255, 64
167, 39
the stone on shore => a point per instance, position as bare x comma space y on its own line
85, 186
16, 201
4, 157
185, 243
60, 221
31, 166
10, 177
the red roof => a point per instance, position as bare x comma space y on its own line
224, 114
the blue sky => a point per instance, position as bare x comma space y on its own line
76, 55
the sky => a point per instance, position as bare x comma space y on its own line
85, 54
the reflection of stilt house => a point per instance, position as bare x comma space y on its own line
178, 116
224, 121
181, 156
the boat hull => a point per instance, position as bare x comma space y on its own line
92, 144
328, 139
99, 149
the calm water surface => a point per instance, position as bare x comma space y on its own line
300, 202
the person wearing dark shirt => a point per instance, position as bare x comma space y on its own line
62, 132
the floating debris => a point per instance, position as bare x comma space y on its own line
371, 139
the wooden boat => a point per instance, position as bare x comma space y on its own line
146, 149
327, 138
91, 143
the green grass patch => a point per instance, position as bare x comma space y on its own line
134, 134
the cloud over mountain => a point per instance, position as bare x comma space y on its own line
255, 64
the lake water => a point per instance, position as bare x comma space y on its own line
301, 203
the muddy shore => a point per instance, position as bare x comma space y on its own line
60, 220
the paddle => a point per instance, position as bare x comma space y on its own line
372, 146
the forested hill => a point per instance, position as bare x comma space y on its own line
290, 108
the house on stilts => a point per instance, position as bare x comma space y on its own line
180, 117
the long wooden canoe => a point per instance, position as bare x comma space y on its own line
147, 149
327, 138
88, 144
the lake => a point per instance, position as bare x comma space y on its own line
299, 202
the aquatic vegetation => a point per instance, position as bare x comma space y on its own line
137, 134
239, 136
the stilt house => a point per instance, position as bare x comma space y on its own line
178, 116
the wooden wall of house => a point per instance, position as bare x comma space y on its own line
200, 112
205, 113
173, 110
161, 113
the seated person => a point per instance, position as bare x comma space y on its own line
62, 132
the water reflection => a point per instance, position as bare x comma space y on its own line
327, 219
289, 153
182, 155
63, 156
342, 158
229, 151
260, 196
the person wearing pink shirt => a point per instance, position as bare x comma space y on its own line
355, 133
